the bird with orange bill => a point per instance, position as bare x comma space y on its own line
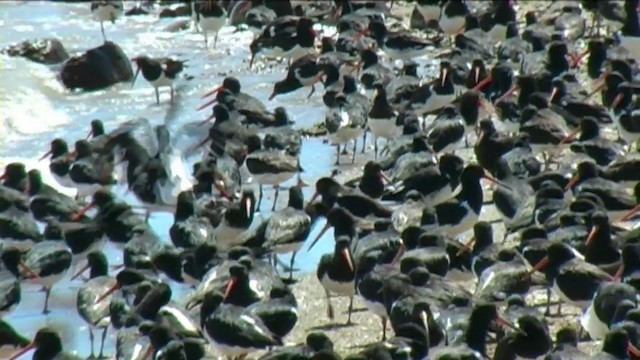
574, 280
616, 200
336, 273
47, 345
95, 314
242, 100
45, 264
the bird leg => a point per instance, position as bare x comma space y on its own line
330, 312
171, 87
313, 90
547, 311
215, 40
259, 198
364, 141
275, 197
92, 356
350, 311
206, 40
293, 258
46, 301
384, 328
559, 312
104, 336
157, 97
353, 157
375, 148
147, 216
338, 155
102, 29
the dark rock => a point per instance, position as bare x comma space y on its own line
43, 51
97, 69
136, 10
175, 11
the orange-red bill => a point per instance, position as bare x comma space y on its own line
476, 74
230, 284
618, 275
207, 119
399, 254
482, 83
324, 230
541, 265
207, 104
32, 274
507, 94
631, 212
77, 216
81, 271
444, 76
617, 100
591, 236
347, 257
148, 352
574, 180
219, 185
467, 246
23, 351
569, 138
212, 92
384, 177
46, 155
496, 181
108, 293
89, 134
504, 322
554, 92
633, 350
577, 59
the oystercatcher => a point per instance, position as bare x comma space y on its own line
630, 32
60, 162
503, 14
15, 177
288, 228
279, 313
158, 72
81, 237
401, 45
429, 98
18, 229
460, 213
336, 273
96, 315
211, 17
600, 314
574, 280
342, 125
89, 172
106, 10
304, 71
10, 293
289, 38
189, 230
593, 144
616, 200
10, 340
453, 17
48, 345
382, 120
429, 9
46, 201
241, 100
46, 263
567, 345
269, 167
236, 220
232, 330
628, 124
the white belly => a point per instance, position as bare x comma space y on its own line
64, 181
212, 24
344, 135
272, 179
22, 245
406, 54
385, 128
296, 52
49, 281
338, 288
429, 12
632, 44
437, 102
452, 26
466, 224
439, 196
161, 81
287, 248
85, 190
590, 322
228, 236
498, 32
106, 13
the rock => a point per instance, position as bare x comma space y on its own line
136, 10
44, 51
97, 69
180, 10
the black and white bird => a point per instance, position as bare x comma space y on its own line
211, 17
106, 10
158, 72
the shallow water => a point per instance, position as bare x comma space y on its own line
36, 108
